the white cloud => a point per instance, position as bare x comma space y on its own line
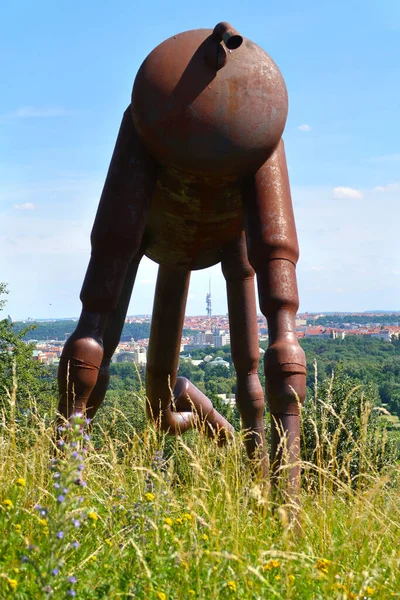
25, 206
395, 157
32, 112
304, 127
346, 192
390, 187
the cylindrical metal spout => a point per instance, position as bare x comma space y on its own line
224, 32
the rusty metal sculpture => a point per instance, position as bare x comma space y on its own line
198, 176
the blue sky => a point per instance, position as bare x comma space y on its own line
67, 70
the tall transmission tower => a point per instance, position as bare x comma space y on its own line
208, 301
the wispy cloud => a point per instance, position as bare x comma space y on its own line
390, 187
25, 206
395, 157
304, 127
34, 112
346, 192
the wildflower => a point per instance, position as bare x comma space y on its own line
60, 535
43, 522
60, 498
277, 577
93, 558
108, 542
21, 482
204, 537
93, 516
43, 512
55, 572
56, 475
187, 517
60, 443
168, 521
37, 507
271, 564
71, 593
76, 523
56, 486
8, 503
192, 593
369, 591
13, 583
291, 579
24, 559
75, 545
72, 579
178, 521
231, 585
322, 565
46, 531
161, 596
150, 497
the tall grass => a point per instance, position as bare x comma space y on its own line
145, 516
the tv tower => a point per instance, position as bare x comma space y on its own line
208, 301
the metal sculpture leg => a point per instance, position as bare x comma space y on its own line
112, 336
239, 277
116, 238
164, 389
273, 253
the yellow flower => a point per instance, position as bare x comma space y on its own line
161, 595
291, 579
106, 566
369, 590
108, 542
17, 527
13, 583
192, 593
277, 577
8, 503
351, 596
184, 564
43, 522
271, 564
168, 521
150, 498
178, 521
45, 531
204, 537
93, 558
187, 517
16, 570
93, 516
322, 565
231, 585
21, 482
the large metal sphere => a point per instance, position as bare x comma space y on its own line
203, 108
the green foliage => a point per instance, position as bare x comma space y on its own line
21, 377
339, 320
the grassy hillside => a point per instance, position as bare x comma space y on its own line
137, 515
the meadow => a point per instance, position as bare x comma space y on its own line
121, 512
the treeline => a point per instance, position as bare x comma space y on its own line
340, 320
60, 330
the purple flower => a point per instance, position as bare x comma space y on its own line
75, 545
61, 429
55, 571
71, 593
24, 559
76, 522
57, 486
73, 444
88, 421
37, 507
60, 443
56, 475
65, 491
75, 454
81, 467
60, 498
87, 438
72, 579
60, 535
43, 512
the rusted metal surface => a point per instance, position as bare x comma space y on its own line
198, 177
